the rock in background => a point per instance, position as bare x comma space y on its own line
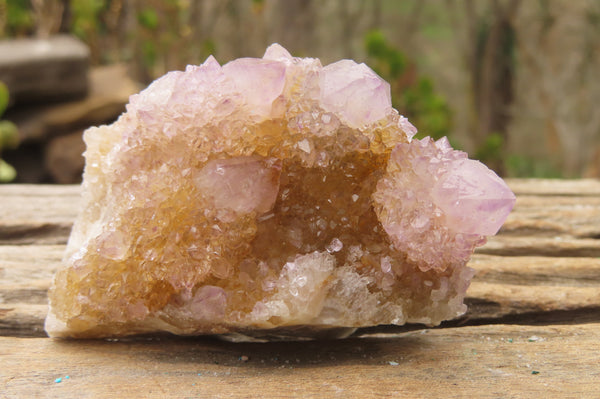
40, 70
55, 96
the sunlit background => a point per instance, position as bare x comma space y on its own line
515, 83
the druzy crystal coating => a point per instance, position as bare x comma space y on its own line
270, 194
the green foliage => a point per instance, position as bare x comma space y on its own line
428, 109
258, 6
522, 166
151, 37
163, 35
19, 18
3, 97
149, 53
491, 151
388, 61
148, 18
85, 17
413, 96
7, 172
209, 46
9, 137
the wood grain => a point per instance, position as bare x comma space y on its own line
541, 246
539, 263
555, 215
544, 187
500, 361
503, 286
534, 306
43, 214
37, 214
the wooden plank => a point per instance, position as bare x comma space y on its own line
537, 270
38, 214
531, 202
507, 245
42, 203
32, 265
22, 320
535, 286
489, 301
25, 276
554, 215
524, 188
499, 361
534, 305
549, 224
503, 287
578, 187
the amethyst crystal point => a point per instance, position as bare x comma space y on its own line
437, 205
270, 196
355, 93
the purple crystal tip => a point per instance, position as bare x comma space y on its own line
437, 205
473, 198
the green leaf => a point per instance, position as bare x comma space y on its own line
9, 135
148, 18
7, 172
3, 97
413, 95
491, 149
19, 18
375, 44
149, 53
86, 17
521, 166
398, 63
209, 47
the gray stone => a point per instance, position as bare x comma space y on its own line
110, 88
50, 134
40, 70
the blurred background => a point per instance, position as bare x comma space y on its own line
515, 83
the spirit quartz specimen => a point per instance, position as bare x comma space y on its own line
270, 196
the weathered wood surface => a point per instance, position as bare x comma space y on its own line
540, 277
500, 361
32, 214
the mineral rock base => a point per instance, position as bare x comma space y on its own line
270, 197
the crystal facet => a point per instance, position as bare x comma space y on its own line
270, 194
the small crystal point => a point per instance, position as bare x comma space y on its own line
210, 63
473, 198
407, 127
270, 197
355, 92
440, 211
277, 52
260, 81
242, 184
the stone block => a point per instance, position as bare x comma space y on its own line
42, 70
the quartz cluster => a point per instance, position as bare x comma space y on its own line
270, 195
